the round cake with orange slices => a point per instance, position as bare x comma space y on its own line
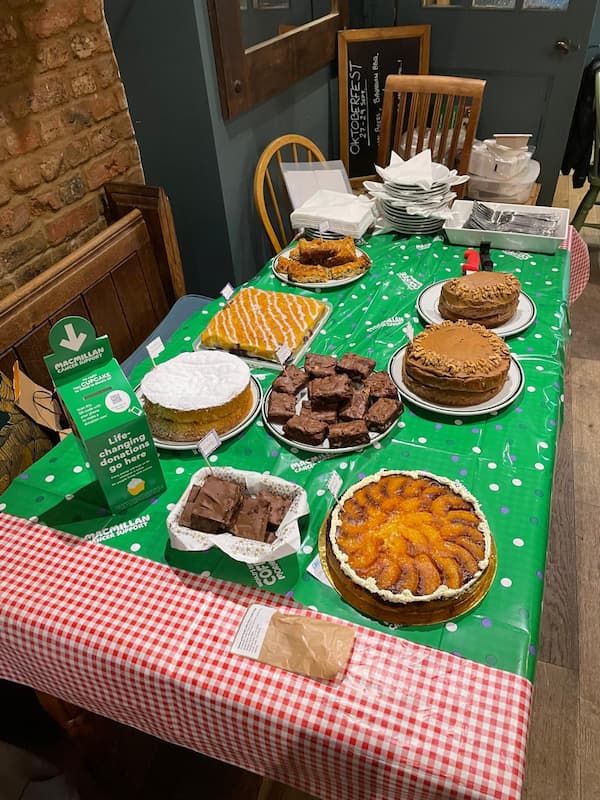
488, 298
456, 364
410, 536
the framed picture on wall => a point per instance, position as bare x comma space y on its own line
365, 58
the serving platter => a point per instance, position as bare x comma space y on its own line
427, 306
257, 396
277, 430
512, 388
370, 605
332, 284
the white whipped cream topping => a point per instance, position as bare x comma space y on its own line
192, 381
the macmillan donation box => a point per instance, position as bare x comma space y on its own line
105, 414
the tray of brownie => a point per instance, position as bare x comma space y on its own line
252, 517
321, 264
332, 405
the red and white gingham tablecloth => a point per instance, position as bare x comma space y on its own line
580, 263
148, 646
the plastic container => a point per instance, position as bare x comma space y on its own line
516, 190
528, 243
491, 161
512, 139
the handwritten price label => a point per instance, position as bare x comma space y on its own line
227, 291
209, 443
283, 352
155, 348
334, 484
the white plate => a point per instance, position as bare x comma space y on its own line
326, 284
263, 363
255, 387
277, 431
427, 306
509, 392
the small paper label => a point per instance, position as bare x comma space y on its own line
323, 226
155, 347
334, 484
283, 352
227, 291
251, 634
209, 443
409, 331
315, 568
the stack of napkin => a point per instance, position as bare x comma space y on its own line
340, 213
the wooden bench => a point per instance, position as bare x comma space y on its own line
113, 280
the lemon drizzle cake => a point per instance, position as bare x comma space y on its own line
257, 322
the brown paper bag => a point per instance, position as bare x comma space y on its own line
312, 647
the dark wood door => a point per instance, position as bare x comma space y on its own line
530, 52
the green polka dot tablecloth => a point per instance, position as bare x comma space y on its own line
505, 460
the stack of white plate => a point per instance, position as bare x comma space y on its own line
410, 208
315, 233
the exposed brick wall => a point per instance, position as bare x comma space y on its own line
65, 130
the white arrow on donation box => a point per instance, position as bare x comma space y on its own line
73, 341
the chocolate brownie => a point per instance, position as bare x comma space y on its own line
281, 407
291, 380
357, 367
279, 508
346, 434
216, 505
185, 518
328, 415
251, 521
306, 428
330, 391
356, 408
382, 413
379, 385
319, 366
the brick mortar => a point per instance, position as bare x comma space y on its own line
43, 86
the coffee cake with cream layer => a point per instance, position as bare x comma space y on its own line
456, 364
192, 393
410, 537
488, 298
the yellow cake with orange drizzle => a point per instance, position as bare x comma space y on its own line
257, 322
410, 536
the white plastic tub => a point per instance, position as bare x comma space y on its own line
457, 234
516, 190
488, 161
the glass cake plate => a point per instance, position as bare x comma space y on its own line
333, 284
277, 431
427, 306
167, 444
508, 393
264, 363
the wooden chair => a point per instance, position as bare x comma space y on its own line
270, 193
430, 111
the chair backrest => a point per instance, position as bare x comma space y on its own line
270, 194
430, 111
112, 280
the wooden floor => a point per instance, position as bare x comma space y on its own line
564, 746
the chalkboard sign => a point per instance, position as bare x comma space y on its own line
366, 57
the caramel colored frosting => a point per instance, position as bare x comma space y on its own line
480, 287
458, 355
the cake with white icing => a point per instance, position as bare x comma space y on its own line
410, 537
191, 394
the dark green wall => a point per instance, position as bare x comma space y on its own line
205, 164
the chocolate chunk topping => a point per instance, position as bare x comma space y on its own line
281, 407
319, 366
346, 434
216, 505
291, 380
306, 428
380, 384
357, 407
330, 391
382, 413
328, 415
357, 367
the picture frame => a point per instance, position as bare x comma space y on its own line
365, 58
249, 76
